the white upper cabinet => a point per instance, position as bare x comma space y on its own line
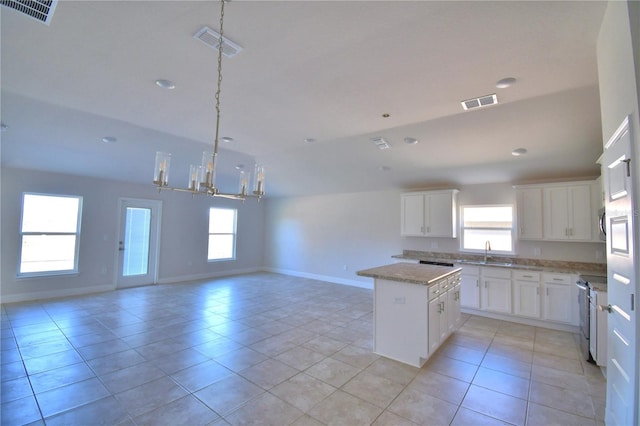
529, 212
558, 211
429, 214
567, 213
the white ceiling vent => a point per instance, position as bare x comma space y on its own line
212, 39
381, 143
41, 10
479, 102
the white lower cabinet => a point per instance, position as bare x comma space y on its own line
526, 294
560, 298
470, 287
444, 310
551, 297
495, 293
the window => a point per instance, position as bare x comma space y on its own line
487, 223
222, 234
49, 234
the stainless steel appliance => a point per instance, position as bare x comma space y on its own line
584, 306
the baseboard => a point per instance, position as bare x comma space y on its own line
54, 294
209, 275
521, 320
327, 278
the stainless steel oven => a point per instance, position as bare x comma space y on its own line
585, 324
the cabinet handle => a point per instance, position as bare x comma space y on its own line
547, 291
428, 229
442, 303
477, 283
422, 229
528, 276
558, 279
537, 292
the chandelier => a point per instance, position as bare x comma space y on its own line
202, 178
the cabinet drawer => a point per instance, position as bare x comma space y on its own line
496, 273
435, 290
526, 275
557, 278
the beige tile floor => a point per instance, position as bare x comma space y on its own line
275, 350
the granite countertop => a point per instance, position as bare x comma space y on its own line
409, 273
507, 262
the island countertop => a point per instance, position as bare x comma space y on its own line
409, 273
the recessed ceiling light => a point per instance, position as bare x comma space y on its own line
227, 139
505, 82
165, 84
109, 139
518, 152
386, 115
384, 168
239, 166
410, 141
309, 140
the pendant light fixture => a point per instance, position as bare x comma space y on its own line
202, 178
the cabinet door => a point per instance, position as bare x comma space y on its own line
556, 213
526, 298
558, 303
412, 214
581, 224
470, 291
435, 313
496, 295
529, 210
453, 308
439, 215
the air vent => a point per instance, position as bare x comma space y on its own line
212, 39
42, 10
479, 102
381, 143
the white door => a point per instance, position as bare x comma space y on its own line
138, 242
622, 363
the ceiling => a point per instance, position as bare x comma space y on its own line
326, 70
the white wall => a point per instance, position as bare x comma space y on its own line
183, 234
316, 236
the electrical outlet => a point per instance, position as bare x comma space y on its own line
345, 267
434, 244
400, 300
536, 251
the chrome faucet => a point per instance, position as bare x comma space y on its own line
487, 249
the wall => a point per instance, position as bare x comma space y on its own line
317, 236
183, 235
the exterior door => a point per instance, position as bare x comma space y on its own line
622, 362
138, 242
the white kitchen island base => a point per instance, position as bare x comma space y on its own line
416, 307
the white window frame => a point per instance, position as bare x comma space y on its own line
233, 234
77, 235
512, 229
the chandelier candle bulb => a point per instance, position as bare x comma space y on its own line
161, 175
259, 180
194, 184
243, 182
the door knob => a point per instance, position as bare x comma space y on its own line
603, 308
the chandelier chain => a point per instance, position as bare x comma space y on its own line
220, 48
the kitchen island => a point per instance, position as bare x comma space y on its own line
416, 307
